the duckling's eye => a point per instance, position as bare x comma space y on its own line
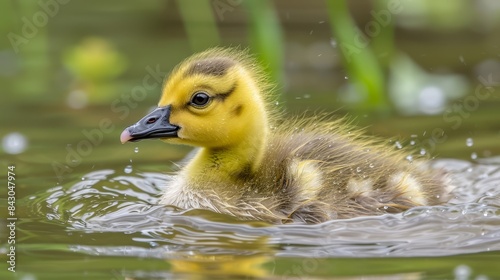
200, 99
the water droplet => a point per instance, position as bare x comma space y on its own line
358, 169
276, 103
473, 156
412, 142
333, 42
306, 96
462, 272
398, 145
153, 244
414, 136
136, 150
14, 143
469, 169
409, 158
346, 78
423, 152
128, 169
386, 207
469, 142
371, 165
83, 178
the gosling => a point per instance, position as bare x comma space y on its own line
255, 165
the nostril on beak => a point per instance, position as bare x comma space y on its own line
151, 120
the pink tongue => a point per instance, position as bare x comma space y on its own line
125, 136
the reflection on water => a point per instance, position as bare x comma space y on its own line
120, 218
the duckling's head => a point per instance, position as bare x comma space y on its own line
214, 99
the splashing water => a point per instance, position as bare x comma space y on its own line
108, 202
128, 169
469, 142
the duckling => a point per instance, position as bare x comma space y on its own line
255, 165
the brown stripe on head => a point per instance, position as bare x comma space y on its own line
223, 95
213, 66
237, 111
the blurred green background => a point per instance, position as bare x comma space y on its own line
406, 69
74, 74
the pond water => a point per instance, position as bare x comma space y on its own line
106, 225
93, 214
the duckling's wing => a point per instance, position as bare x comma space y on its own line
326, 171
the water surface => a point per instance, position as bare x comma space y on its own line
106, 224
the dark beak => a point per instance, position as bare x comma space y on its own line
154, 125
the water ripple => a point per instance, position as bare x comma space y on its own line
109, 202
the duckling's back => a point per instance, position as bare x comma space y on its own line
317, 171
